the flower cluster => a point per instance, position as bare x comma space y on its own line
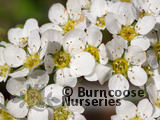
38, 61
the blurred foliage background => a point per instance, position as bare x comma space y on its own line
13, 12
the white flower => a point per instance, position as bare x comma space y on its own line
29, 96
4, 110
120, 21
29, 59
129, 111
69, 113
4, 67
125, 62
21, 37
96, 13
98, 50
72, 61
154, 96
64, 20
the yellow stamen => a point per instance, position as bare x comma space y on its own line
148, 70
100, 21
69, 26
120, 66
31, 61
128, 33
5, 115
61, 113
129, 1
94, 51
156, 48
61, 59
137, 118
33, 97
143, 13
3, 70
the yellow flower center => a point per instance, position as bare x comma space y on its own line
156, 48
120, 66
33, 97
5, 115
100, 21
69, 26
129, 1
93, 51
31, 61
61, 113
143, 13
137, 118
88, 6
61, 59
128, 33
3, 70
23, 41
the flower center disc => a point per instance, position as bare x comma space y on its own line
5, 115
157, 103
33, 97
32, 60
129, 1
61, 113
100, 21
128, 33
137, 118
93, 51
120, 66
69, 26
157, 49
3, 70
61, 59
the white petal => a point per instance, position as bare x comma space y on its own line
74, 9
76, 109
14, 56
112, 24
30, 25
82, 63
126, 108
58, 14
50, 26
81, 23
14, 34
22, 72
142, 42
135, 55
94, 36
49, 63
17, 107
145, 108
152, 59
52, 95
1, 99
152, 36
103, 54
16, 86
2, 61
145, 25
137, 76
74, 41
38, 79
37, 113
51, 41
78, 116
34, 42
5, 44
155, 6
118, 82
115, 47
64, 77
98, 7
156, 78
